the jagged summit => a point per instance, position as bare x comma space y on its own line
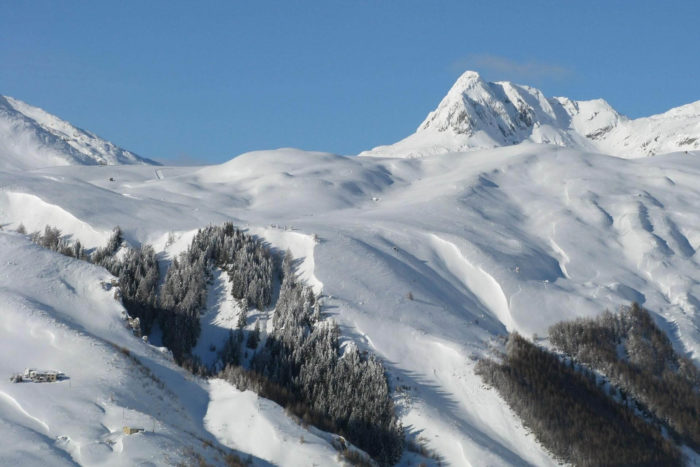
31, 138
476, 114
505, 112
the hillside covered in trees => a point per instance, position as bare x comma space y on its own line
569, 413
300, 364
619, 394
638, 359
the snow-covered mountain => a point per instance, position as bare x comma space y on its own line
506, 239
425, 262
476, 114
31, 138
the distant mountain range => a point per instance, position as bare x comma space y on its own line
476, 114
31, 138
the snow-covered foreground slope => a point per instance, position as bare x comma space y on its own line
425, 262
32, 138
476, 114
57, 314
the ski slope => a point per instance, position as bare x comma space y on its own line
487, 241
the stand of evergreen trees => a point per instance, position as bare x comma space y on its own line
300, 365
138, 275
246, 260
570, 414
637, 357
177, 308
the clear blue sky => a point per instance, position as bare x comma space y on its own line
204, 81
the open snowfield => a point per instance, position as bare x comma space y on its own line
485, 242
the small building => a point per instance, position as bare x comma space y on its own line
130, 430
41, 376
37, 376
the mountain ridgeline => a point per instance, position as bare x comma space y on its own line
32, 138
476, 114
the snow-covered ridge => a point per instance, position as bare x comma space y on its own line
31, 138
476, 114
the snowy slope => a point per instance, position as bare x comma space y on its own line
476, 114
513, 238
518, 221
675, 130
32, 138
57, 314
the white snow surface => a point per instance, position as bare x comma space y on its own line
31, 138
487, 241
263, 426
528, 212
58, 315
476, 114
